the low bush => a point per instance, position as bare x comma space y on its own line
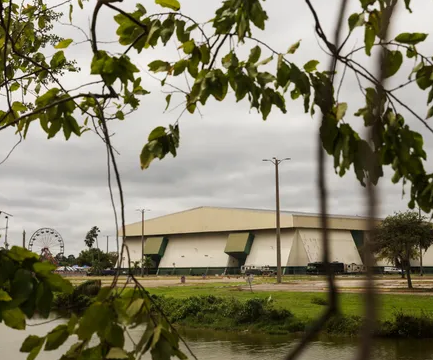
319, 301
217, 310
408, 326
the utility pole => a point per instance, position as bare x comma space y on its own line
107, 236
421, 270
276, 163
143, 210
24, 239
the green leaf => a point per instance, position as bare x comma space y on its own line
14, 318
22, 285
292, 49
188, 47
423, 77
254, 54
179, 67
205, 54
311, 66
392, 62
4, 296
341, 111
120, 115
72, 323
43, 268
137, 304
283, 75
114, 336
31, 342
157, 133
117, 353
18, 106
407, 4
411, 38
171, 4
159, 66
80, 4
95, 318
71, 10
57, 337
20, 254
429, 113
167, 100
14, 87
369, 37
167, 30
44, 298
356, 20
58, 59
265, 106
63, 44
265, 61
182, 35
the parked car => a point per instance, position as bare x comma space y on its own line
388, 270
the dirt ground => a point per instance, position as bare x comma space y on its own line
392, 285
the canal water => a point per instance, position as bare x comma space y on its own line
210, 345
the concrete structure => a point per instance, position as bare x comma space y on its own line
215, 240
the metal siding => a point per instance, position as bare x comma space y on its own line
342, 246
298, 255
189, 251
263, 250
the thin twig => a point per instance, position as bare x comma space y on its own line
12, 150
322, 184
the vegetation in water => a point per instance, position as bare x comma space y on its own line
263, 315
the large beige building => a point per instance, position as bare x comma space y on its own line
216, 240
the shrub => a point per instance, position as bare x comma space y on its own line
319, 301
408, 326
342, 324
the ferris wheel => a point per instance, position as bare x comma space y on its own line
46, 241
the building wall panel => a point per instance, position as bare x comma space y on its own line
342, 246
197, 250
263, 251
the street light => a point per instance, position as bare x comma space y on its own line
277, 162
143, 210
7, 215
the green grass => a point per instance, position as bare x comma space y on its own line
300, 304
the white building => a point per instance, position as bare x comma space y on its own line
214, 240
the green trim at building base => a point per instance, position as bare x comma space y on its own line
221, 271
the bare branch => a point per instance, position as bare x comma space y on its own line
12, 150
332, 307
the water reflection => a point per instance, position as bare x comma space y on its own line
210, 345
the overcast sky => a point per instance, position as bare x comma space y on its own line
63, 185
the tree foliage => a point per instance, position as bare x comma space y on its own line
212, 60
400, 237
91, 237
88, 257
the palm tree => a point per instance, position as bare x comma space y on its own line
147, 264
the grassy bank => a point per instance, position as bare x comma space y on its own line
262, 315
301, 304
